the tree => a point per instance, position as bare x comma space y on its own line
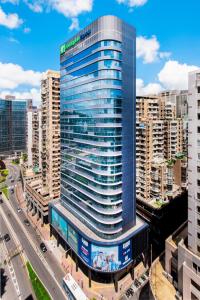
3, 281
2, 165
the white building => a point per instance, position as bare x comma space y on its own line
182, 251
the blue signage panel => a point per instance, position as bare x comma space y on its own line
84, 250
125, 253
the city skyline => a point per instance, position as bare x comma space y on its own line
162, 50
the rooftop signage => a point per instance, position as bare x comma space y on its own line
73, 42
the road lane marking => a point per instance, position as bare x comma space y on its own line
31, 243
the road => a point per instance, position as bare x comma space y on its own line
46, 266
8, 290
11, 250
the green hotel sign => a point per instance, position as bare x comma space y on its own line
73, 42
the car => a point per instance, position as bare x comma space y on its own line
12, 191
26, 222
19, 210
6, 237
12, 180
9, 177
1, 201
43, 247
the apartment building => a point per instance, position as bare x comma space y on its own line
159, 149
34, 138
182, 259
50, 94
45, 123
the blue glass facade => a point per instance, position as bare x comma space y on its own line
12, 125
96, 215
96, 103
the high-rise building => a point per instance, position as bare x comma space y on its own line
96, 214
160, 157
194, 163
45, 142
50, 94
13, 126
34, 138
182, 252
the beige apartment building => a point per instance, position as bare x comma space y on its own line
159, 150
50, 94
34, 139
41, 190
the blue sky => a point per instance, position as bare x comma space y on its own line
168, 39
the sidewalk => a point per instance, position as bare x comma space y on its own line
161, 287
98, 291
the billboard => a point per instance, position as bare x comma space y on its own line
102, 258
105, 259
59, 223
73, 238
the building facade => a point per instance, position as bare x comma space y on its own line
50, 95
34, 138
13, 126
182, 259
96, 214
160, 150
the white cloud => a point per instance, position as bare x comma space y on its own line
74, 25
71, 8
33, 94
27, 30
35, 6
13, 75
149, 89
11, 21
132, 3
174, 75
148, 49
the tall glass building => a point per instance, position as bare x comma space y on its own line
13, 115
96, 215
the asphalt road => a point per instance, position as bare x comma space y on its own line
8, 291
17, 263
46, 266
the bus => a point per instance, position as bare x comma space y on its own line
72, 289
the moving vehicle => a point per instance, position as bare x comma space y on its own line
26, 222
43, 247
19, 210
6, 237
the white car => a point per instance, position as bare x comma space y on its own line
19, 209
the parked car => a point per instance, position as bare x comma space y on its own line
26, 222
19, 210
6, 237
12, 180
12, 191
43, 247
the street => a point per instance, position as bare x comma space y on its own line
12, 250
45, 265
